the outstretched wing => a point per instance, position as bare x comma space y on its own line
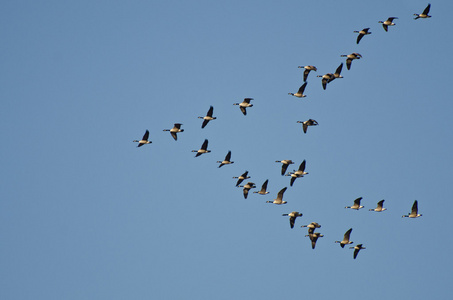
205, 145
210, 111
146, 135
302, 88
205, 122
243, 110
426, 11
302, 166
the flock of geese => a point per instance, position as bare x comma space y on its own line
300, 172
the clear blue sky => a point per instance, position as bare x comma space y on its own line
85, 214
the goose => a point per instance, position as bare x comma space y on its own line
424, 14
263, 190
362, 33
244, 104
305, 124
357, 249
337, 73
414, 213
203, 149
208, 117
356, 205
345, 240
242, 178
311, 227
227, 160
279, 197
326, 78
292, 217
300, 92
285, 164
388, 22
314, 237
350, 58
247, 187
299, 173
144, 140
307, 70
174, 130
379, 207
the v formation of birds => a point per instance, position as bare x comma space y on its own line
246, 103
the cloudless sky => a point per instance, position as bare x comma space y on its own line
85, 214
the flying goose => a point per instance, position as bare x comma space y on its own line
356, 205
227, 160
326, 78
296, 174
285, 164
362, 33
247, 187
414, 213
424, 14
244, 104
292, 217
263, 190
380, 206
309, 122
241, 178
144, 140
203, 149
279, 197
300, 92
345, 240
307, 70
313, 238
388, 22
350, 58
357, 249
208, 117
174, 130
312, 226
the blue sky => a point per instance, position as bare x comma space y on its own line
85, 214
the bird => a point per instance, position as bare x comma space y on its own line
292, 217
337, 73
350, 58
263, 190
379, 207
144, 140
247, 187
362, 33
305, 124
208, 117
285, 164
279, 199
203, 149
345, 240
242, 178
227, 160
244, 104
356, 205
424, 14
357, 248
174, 130
326, 78
387, 23
414, 212
300, 92
307, 70
299, 173
312, 226
313, 238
